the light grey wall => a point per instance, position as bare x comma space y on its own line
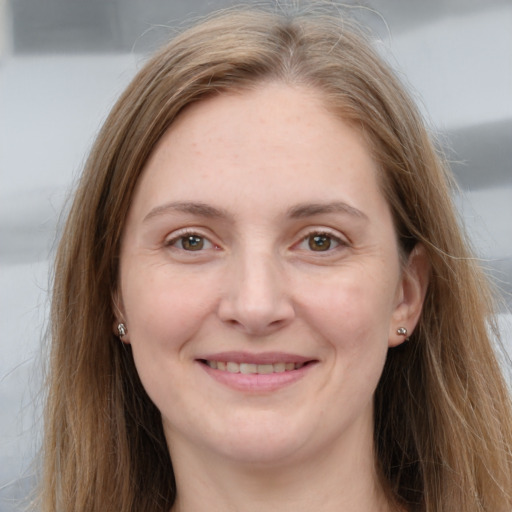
63, 63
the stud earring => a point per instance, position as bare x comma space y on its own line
401, 331
121, 330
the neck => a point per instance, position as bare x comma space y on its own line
341, 478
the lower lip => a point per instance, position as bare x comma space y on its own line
255, 382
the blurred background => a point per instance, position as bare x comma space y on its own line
64, 62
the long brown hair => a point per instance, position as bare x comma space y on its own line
443, 421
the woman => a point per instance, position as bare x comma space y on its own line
262, 298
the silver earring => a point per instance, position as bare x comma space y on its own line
401, 331
121, 329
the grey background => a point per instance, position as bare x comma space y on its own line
64, 62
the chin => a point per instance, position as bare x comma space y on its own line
261, 439
277, 439
267, 450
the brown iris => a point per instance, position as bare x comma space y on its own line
192, 243
319, 242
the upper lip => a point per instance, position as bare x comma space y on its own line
252, 358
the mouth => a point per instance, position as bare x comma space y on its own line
256, 373
253, 368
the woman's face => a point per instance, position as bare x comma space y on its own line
260, 280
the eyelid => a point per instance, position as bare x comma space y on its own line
335, 235
175, 236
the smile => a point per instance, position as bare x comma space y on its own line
256, 373
252, 368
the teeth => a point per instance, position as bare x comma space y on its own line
232, 367
279, 367
250, 368
265, 368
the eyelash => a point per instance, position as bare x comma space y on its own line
340, 243
189, 233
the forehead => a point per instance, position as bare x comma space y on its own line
275, 143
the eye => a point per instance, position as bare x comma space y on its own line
190, 242
320, 242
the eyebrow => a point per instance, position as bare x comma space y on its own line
301, 211
193, 208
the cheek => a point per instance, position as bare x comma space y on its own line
351, 316
357, 309
164, 309
163, 312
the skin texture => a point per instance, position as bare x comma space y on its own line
253, 177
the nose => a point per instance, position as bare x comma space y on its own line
256, 299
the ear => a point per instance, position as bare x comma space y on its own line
119, 317
410, 295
